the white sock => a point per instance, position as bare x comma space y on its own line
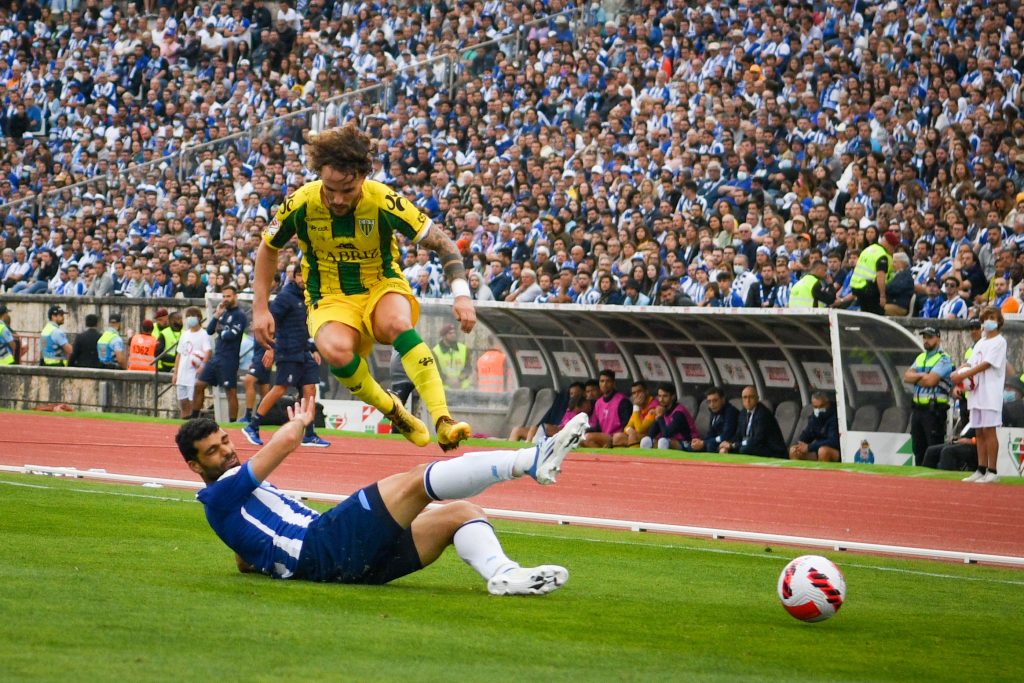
478, 547
472, 473
646, 442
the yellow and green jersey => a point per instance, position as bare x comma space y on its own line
346, 254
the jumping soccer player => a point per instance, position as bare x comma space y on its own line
346, 225
380, 533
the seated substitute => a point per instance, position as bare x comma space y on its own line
673, 426
644, 412
610, 415
757, 430
380, 533
819, 439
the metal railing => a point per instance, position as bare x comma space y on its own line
443, 72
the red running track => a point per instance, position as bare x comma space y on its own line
853, 507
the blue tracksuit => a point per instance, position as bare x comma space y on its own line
291, 334
228, 329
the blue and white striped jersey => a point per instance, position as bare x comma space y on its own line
264, 526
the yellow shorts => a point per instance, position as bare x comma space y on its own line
356, 310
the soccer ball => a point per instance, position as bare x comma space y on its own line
811, 588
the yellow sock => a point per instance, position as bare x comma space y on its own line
421, 367
356, 378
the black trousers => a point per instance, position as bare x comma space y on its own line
868, 299
927, 428
952, 456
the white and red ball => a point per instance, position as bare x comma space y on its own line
812, 588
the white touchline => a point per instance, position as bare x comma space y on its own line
777, 557
837, 545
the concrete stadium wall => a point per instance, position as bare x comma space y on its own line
107, 391
28, 313
32, 385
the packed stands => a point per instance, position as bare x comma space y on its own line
667, 154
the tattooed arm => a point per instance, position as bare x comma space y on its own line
437, 240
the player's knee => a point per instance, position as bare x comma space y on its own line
462, 511
388, 330
336, 355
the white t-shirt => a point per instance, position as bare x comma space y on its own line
988, 391
193, 348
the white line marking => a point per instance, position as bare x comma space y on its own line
102, 493
27, 486
967, 557
778, 557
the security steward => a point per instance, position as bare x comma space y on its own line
813, 290
56, 348
142, 349
110, 346
9, 341
453, 360
167, 342
929, 376
872, 272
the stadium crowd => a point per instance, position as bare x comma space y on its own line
657, 153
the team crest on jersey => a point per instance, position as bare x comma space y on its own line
366, 226
274, 226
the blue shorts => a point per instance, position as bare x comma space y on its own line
220, 372
813, 446
357, 541
297, 374
257, 370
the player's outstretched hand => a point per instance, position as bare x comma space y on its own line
304, 410
464, 313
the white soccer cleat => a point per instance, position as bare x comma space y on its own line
989, 478
974, 477
528, 580
551, 452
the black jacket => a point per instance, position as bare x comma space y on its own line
721, 427
84, 353
758, 433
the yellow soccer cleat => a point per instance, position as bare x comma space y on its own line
450, 433
406, 424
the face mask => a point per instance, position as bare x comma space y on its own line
742, 175
818, 412
210, 268
1009, 396
224, 270
990, 326
177, 253
785, 163
200, 216
738, 270
247, 269
191, 321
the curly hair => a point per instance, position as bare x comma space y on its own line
346, 149
196, 429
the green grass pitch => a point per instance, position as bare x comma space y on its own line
101, 582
